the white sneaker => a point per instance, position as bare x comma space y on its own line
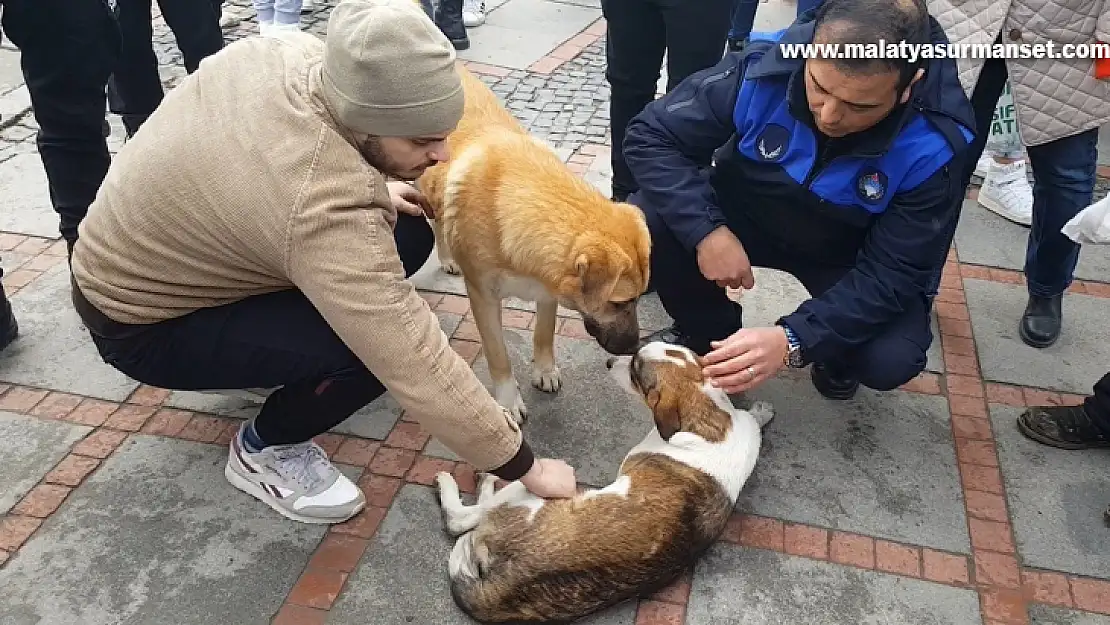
983, 165
474, 13
298, 481
1006, 192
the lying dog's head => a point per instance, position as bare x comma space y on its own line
605, 277
669, 379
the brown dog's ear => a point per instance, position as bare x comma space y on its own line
597, 269
667, 412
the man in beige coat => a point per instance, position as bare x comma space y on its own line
246, 237
1060, 106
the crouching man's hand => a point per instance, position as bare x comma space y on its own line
722, 259
550, 478
406, 199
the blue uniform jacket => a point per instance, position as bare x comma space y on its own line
882, 203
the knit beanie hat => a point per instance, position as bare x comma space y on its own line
389, 71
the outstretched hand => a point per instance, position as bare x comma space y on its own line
406, 199
746, 359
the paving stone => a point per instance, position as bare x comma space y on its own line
30, 448
984, 238
1056, 499
157, 531
1072, 365
740, 586
411, 540
523, 31
11, 75
27, 207
590, 422
882, 464
54, 350
1045, 615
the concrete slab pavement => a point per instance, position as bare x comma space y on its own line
921, 505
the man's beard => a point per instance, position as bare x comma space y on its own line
372, 151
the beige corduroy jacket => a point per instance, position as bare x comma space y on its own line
241, 184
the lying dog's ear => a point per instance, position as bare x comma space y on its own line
667, 412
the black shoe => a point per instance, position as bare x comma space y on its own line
1063, 427
831, 383
9, 328
450, 22
1040, 325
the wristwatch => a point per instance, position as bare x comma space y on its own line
793, 356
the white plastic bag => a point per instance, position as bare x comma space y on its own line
1091, 225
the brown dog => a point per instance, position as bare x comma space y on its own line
519, 558
517, 222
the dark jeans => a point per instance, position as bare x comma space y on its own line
265, 341
703, 312
638, 32
68, 50
1097, 406
743, 16
1064, 183
135, 88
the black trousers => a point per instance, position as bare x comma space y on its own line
68, 50
135, 88
638, 32
703, 312
265, 341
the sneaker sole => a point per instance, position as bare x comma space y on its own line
256, 491
998, 209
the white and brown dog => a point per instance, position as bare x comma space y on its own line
520, 558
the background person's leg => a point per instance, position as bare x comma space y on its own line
68, 50
696, 35
196, 27
135, 88
1063, 185
741, 22
635, 41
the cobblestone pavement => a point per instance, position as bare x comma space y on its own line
923, 505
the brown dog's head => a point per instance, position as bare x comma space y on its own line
669, 379
605, 277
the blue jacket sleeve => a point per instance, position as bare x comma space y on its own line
904, 250
668, 145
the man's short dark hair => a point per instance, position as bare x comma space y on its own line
871, 22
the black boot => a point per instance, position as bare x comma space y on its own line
9, 329
1063, 427
450, 22
1040, 325
832, 382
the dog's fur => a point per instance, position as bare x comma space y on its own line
519, 558
513, 218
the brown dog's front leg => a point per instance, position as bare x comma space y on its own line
487, 316
545, 373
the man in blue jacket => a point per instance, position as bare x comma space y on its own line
842, 172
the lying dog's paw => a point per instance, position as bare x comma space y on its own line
763, 412
546, 378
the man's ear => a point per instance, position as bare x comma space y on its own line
667, 412
909, 88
